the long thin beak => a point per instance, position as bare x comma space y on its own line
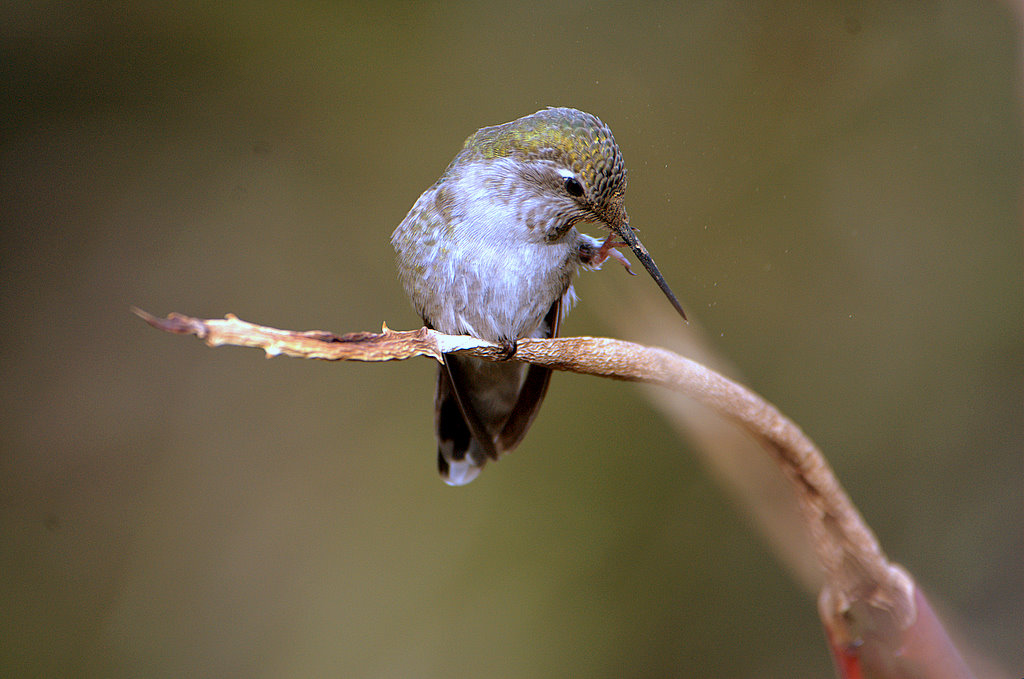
625, 231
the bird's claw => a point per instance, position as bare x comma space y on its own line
608, 249
507, 349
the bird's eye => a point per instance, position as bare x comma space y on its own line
573, 187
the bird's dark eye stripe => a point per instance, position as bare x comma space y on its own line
573, 186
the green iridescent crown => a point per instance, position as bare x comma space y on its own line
577, 140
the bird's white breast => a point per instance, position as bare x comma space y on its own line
474, 259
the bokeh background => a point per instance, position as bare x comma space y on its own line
832, 189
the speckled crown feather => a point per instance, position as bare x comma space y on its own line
577, 140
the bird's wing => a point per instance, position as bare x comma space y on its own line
535, 386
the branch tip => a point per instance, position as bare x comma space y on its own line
176, 323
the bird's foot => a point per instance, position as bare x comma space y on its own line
594, 256
608, 250
507, 349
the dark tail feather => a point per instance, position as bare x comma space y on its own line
478, 412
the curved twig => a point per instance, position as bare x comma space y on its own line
876, 619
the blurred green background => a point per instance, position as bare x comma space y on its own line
833, 190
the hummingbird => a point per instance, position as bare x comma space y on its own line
491, 251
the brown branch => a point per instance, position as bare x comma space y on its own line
877, 621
